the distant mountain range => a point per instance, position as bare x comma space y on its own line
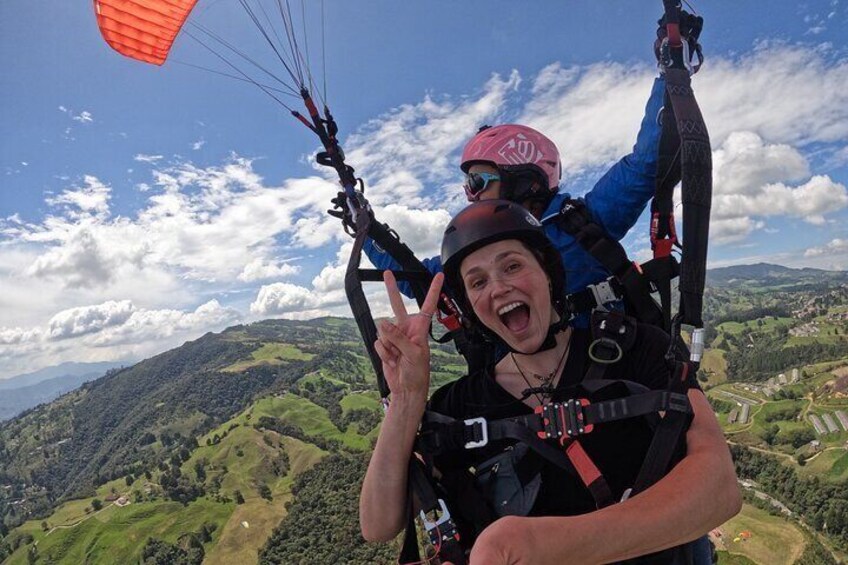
22, 392
61, 370
767, 274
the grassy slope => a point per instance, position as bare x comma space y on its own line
116, 535
270, 353
774, 541
715, 366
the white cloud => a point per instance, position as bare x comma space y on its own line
260, 269
83, 117
744, 162
89, 319
113, 330
784, 93
420, 229
143, 158
80, 262
833, 247
92, 199
156, 325
17, 336
197, 145
591, 113
730, 230
283, 298
750, 180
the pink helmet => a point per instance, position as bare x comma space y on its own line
514, 147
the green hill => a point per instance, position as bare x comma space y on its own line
244, 411
244, 474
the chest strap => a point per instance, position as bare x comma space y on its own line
563, 422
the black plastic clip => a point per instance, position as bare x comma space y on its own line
564, 419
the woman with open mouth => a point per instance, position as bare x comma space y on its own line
579, 446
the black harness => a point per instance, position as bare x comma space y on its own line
555, 429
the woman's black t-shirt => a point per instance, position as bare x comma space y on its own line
616, 448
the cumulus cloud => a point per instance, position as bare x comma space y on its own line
156, 325
420, 229
260, 269
283, 298
80, 262
833, 247
591, 113
750, 180
91, 199
112, 330
784, 93
89, 319
18, 336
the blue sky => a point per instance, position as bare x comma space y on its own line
143, 206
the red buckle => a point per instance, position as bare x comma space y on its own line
563, 420
450, 320
663, 247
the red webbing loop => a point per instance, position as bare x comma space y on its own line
586, 468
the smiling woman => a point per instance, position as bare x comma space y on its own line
574, 433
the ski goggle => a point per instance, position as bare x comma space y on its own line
476, 183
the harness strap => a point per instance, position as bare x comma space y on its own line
590, 474
412, 271
668, 432
696, 179
595, 296
436, 517
574, 218
561, 422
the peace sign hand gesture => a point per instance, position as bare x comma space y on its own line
404, 346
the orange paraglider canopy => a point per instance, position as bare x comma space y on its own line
142, 29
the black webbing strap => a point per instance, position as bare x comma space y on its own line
421, 494
411, 271
441, 434
696, 182
576, 221
668, 432
365, 228
594, 296
684, 155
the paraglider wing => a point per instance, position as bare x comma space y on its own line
142, 29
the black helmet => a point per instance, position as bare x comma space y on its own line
488, 221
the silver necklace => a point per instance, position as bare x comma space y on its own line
545, 380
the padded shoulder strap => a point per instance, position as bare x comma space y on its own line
574, 219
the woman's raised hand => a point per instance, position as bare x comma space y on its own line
404, 345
